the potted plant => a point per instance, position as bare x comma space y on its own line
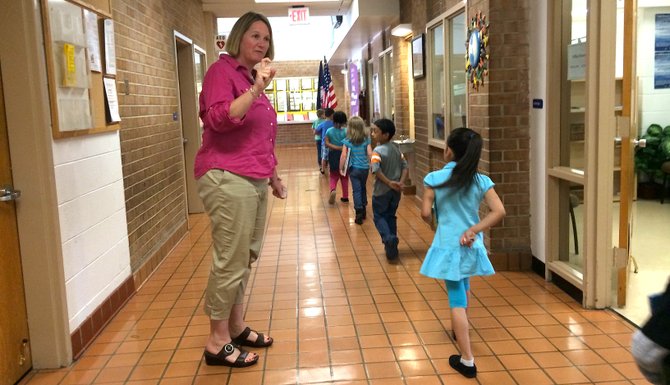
648, 160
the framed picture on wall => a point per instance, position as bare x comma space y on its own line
418, 62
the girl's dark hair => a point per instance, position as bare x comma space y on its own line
340, 118
386, 126
466, 145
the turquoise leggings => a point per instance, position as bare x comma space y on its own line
458, 291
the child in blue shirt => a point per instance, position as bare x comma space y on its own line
321, 117
334, 137
458, 251
356, 148
322, 129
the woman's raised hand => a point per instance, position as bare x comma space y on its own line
265, 73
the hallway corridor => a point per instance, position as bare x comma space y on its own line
341, 314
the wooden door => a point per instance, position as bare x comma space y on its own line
628, 132
15, 360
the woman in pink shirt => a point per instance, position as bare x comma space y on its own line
234, 167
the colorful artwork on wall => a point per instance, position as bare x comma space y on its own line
477, 55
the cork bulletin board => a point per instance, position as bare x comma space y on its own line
81, 66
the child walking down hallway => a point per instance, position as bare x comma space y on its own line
458, 251
334, 137
354, 161
390, 169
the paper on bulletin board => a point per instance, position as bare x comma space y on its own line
110, 51
70, 67
577, 61
92, 41
112, 100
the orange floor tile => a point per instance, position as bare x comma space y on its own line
341, 314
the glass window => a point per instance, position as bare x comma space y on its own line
571, 225
436, 61
574, 94
387, 94
448, 94
458, 85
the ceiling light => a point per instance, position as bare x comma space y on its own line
298, 2
402, 30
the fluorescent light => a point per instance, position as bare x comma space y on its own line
402, 30
297, 2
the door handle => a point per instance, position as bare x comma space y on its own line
640, 143
7, 194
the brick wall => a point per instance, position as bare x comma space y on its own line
295, 133
151, 146
499, 111
400, 84
508, 111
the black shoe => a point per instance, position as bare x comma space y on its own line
391, 249
360, 215
243, 339
467, 371
345, 200
228, 349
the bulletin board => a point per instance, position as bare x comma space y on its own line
81, 66
294, 99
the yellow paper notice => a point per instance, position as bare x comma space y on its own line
70, 76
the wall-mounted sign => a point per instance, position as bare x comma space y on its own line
220, 42
662, 51
299, 15
577, 61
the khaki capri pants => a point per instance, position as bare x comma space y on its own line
236, 206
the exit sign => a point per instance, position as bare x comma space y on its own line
298, 15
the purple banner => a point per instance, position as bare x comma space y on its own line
354, 89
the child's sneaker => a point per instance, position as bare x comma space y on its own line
331, 199
467, 371
360, 215
344, 200
391, 249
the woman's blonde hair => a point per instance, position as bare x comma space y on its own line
356, 131
241, 26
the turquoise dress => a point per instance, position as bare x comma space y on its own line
456, 212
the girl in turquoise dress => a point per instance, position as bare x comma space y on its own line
458, 251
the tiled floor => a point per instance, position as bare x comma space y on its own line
340, 314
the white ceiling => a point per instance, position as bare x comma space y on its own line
372, 16
236, 8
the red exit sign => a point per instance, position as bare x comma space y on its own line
298, 15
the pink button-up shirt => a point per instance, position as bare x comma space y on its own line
244, 146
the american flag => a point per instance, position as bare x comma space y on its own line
319, 88
329, 98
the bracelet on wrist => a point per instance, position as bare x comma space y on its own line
254, 94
